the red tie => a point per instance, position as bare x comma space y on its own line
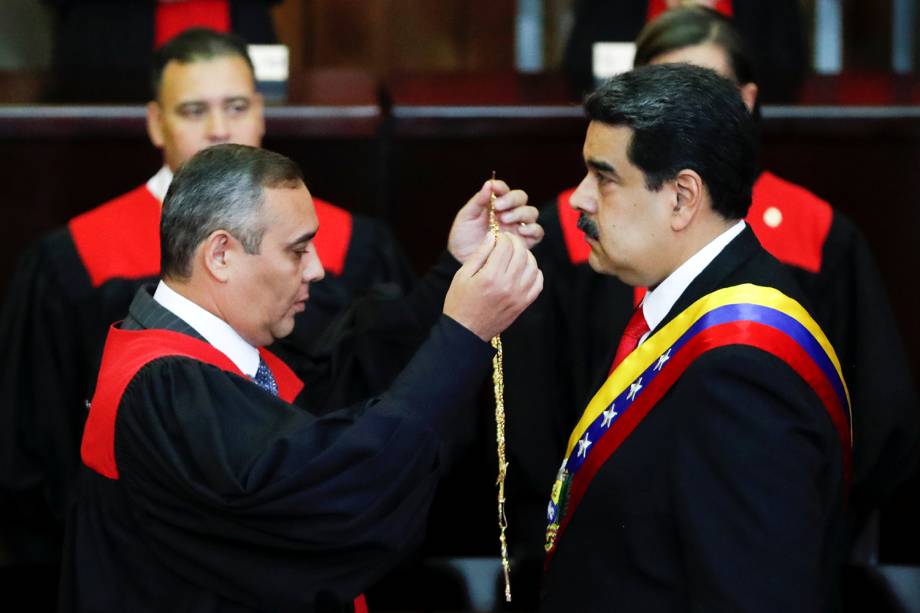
636, 327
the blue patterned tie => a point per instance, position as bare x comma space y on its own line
265, 379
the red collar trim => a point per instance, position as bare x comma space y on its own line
790, 222
334, 236
121, 238
657, 7
575, 244
126, 352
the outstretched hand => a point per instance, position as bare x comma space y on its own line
496, 283
471, 224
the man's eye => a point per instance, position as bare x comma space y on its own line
193, 112
238, 107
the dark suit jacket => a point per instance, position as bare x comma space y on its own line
729, 496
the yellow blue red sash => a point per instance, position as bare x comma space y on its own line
762, 317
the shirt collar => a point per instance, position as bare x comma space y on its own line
211, 327
658, 302
158, 184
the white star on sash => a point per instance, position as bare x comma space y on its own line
634, 389
609, 414
664, 358
583, 445
550, 513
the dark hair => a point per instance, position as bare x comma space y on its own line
219, 188
683, 117
196, 45
690, 26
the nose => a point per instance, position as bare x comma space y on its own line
313, 269
583, 198
218, 127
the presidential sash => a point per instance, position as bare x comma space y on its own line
751, 315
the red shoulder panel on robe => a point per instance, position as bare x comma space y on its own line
657, 7
575, 243
790, 222
333, 237
173, 18
126, 352
121, 238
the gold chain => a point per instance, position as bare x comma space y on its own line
498, 381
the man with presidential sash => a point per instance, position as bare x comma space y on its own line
710, 470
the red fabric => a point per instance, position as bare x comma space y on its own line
790, 222
173, 18
121, 238
289, 384
334, 236
575, 243
635, 328
126, 352
657, 7
748, 333
360, 604
639, 295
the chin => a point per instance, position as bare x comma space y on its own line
599, 264
283, 328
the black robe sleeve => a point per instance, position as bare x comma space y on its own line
45, 323
266, 505
854, 311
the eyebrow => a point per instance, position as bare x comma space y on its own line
602, 166
304, 238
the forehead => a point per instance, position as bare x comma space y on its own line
289, 211
607, 143
706, 55
219, 77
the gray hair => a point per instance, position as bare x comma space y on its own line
219, 188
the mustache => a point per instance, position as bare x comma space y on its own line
588, 227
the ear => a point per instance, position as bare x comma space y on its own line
155, 123
216, 254
749, 95
690, 196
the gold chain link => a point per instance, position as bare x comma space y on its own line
498, 382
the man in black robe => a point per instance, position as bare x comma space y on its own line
71, 284
202, 488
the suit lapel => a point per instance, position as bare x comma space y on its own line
735, 255
145, 313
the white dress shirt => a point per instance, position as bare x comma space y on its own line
212, 328
658, 302
159, 183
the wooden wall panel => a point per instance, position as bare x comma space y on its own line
392, 36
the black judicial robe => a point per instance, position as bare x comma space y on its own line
201, 492
560, 347
728, 496
67, 289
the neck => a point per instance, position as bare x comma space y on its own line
193, 292
694, 237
